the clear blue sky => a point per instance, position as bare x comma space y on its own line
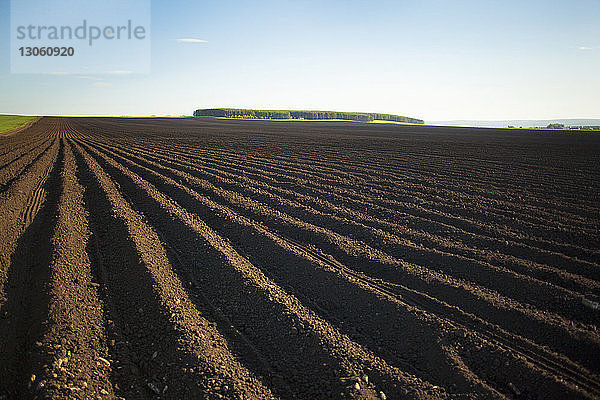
432, 59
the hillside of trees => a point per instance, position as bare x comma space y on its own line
289, 114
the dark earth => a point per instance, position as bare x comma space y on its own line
165, 258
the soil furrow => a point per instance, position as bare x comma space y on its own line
290, 339
377, 312
68, 360
13, 158
425, 215
436, 258
13, 204
25, 311
243, 240
409, 164
478, 300
208, 258
14, 172
164, 346
396, 183
535, 354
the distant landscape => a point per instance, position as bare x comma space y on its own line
303, 115
10, 122
522, 123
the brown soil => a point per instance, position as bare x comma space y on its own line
176, 258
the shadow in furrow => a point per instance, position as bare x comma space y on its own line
144, 344
4, 186
381, 331
25, 312
583, 349
285, 354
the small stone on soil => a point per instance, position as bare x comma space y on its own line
31, 380
104, 360
153, 387
514, 389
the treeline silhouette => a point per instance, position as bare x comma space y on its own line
290, 114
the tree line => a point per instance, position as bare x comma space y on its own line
290, 114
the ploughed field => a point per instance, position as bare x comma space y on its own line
179, 258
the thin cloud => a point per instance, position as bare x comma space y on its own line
101, 84
191, 40
93, 78
118, 72
588, 48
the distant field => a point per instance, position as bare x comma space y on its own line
382, 121
10, 122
